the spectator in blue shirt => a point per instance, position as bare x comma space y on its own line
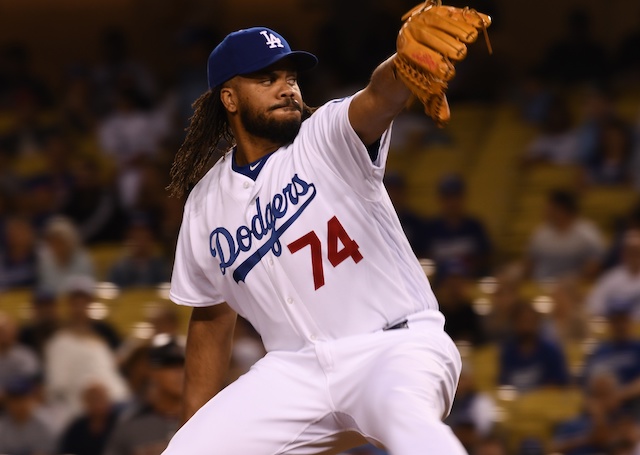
454, 236
140, 265
620, 354
17, 254
527, 360
593, 430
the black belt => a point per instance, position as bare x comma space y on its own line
400, 325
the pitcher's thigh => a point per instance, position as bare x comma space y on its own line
260, 413
408, 392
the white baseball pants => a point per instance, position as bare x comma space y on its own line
391, 387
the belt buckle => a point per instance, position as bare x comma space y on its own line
400, 325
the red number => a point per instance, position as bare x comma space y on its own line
313, 241
335, 232
350, 247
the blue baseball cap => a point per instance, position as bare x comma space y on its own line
249, 50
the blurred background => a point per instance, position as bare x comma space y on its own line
524, 210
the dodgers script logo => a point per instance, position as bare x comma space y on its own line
226, 247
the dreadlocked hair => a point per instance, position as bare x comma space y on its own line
208, 127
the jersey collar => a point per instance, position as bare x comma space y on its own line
250, 170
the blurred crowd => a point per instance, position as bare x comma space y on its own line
86, 164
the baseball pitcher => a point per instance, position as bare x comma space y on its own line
293, 229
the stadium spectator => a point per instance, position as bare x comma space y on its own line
564, 244
567, 322
527, 360
533, 97
506, 295
598, 109
454, 236
93, 204
629, 222
412, 224
78, 104
44, 322
18, 263
38, 200
591, 432
135, 368
81, 352
148, 428
88, 434
22, 432
557, 142
61, 256
164, 319
473, 415
453, 293
140, 265
80, 291
117, 70
58, 158
619, 355
621, 282
131, 137
610, 162
15, 358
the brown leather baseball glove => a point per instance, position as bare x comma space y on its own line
432, 37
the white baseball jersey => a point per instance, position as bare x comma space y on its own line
311, 250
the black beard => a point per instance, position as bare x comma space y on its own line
281, 132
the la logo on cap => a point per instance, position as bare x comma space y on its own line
272, 40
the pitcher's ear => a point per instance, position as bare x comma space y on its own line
228, 99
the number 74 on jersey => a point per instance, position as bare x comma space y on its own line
335, 254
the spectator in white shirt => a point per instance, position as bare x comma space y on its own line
565, 244
132, 137
621, 282
61, 256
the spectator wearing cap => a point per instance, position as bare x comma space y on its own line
81, 351
61, 256
131, 136
15, 358
79, 291
619, 355
412, 224
453, 293
17, 254
454, 236
21, 430
140, 264
89, 433
593, 429
528, 361
149, 427
564, 245
38, 198
43, 324
621, 282
92, 204
473, 415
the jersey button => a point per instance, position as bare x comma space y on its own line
270, 261
246, 185
313, 337
290, 301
